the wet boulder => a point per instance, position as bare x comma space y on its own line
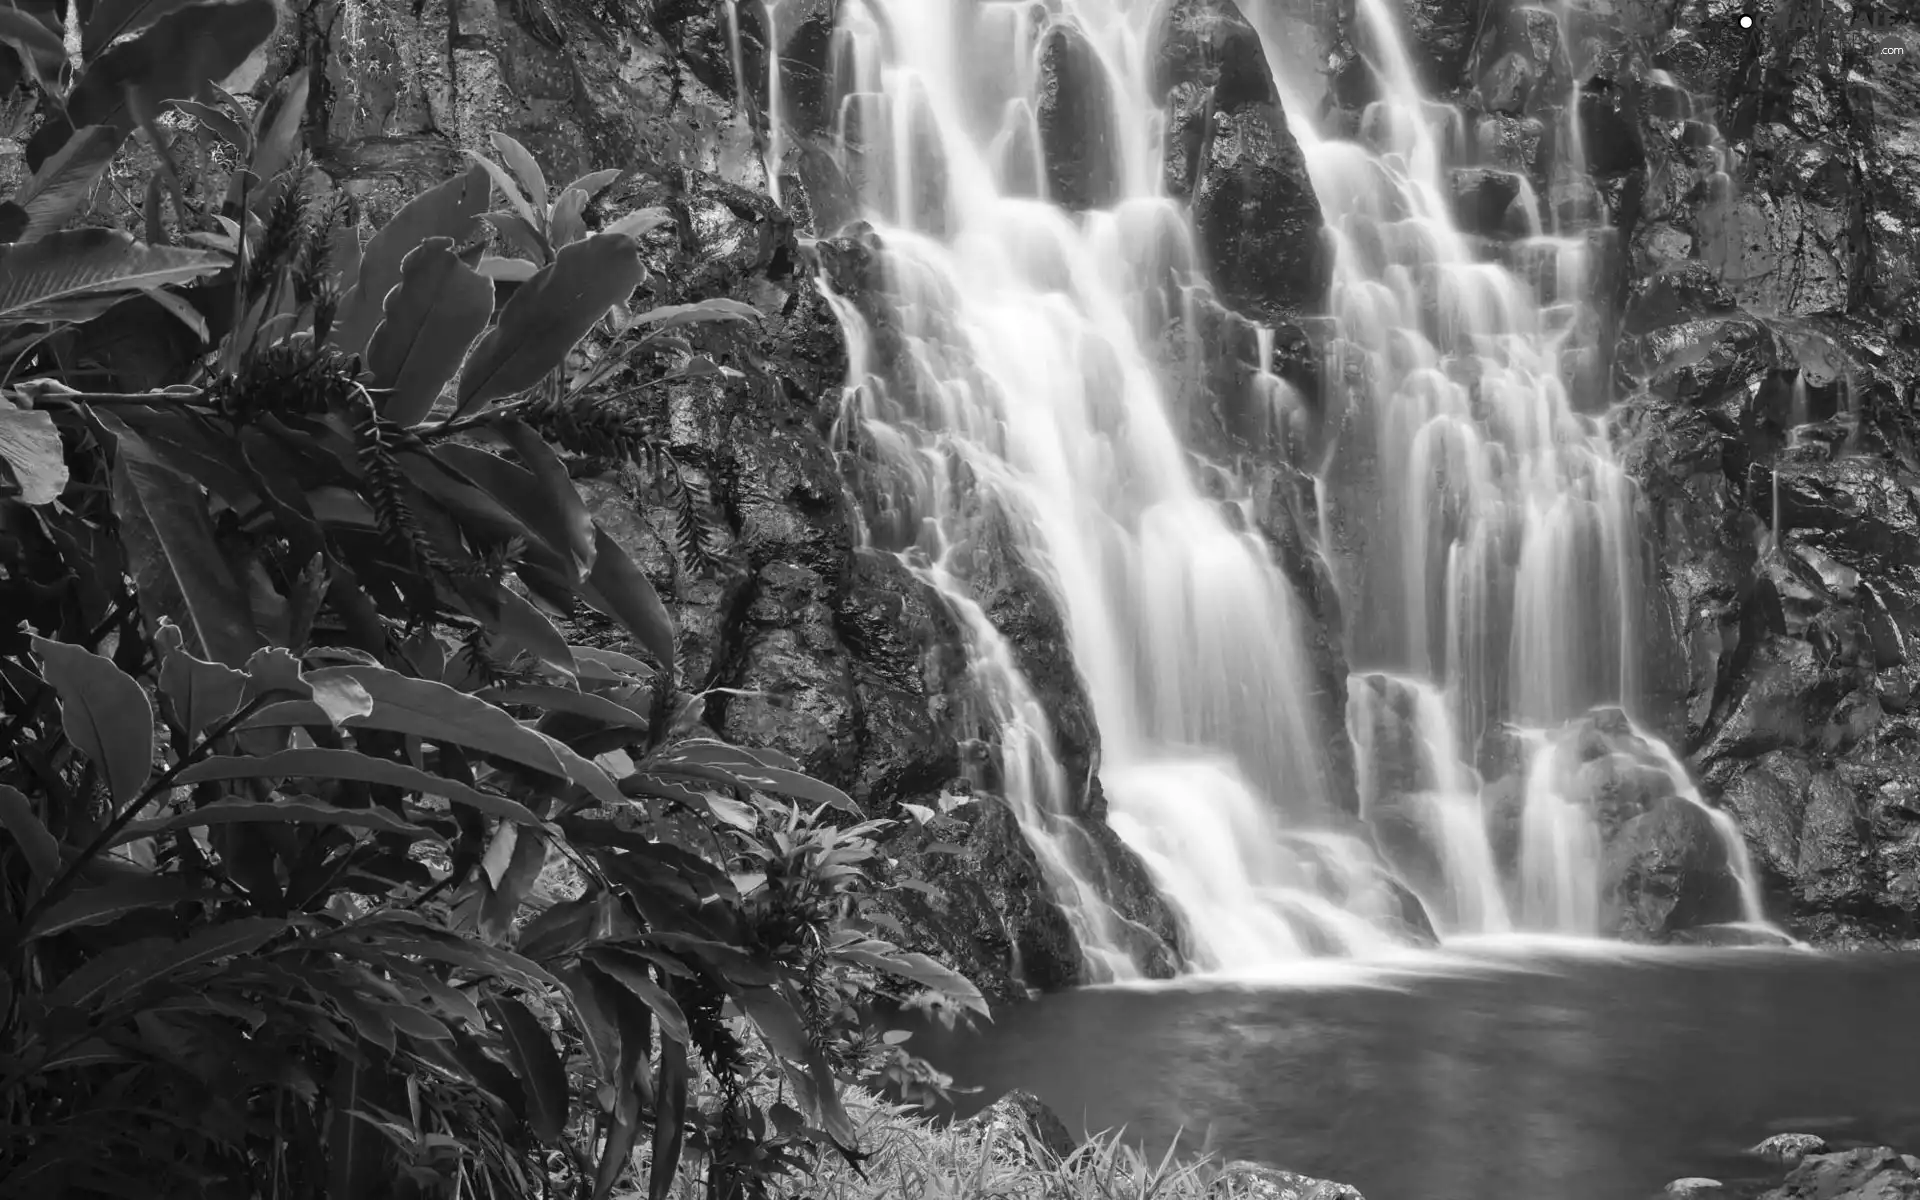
1666, 870
1252, 1181
1078, 139
1868, 1174
1788, 1149
1019, 1128
1253, 206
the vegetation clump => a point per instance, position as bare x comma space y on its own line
330, 865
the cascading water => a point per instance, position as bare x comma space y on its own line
1007, 394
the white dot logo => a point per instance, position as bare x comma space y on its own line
1746, 20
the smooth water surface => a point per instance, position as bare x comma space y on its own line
1562, 1073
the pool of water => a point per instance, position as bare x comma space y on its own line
1498, 1071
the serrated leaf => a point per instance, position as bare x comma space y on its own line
176, 564
544, 513
430, 319
670, 1119
547, 315
302, 811
176, 58
31, 451
450, 210
559, 699
512, 883
105, 714
620, 590
630, 972
530, 1050
37, 278
111, 901
361, 768
37, 846
59, 189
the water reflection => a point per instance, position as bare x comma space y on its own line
1550, 1076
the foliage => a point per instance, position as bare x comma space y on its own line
331, 866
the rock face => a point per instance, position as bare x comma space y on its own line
1877, 1174
1078, 140
1229, 152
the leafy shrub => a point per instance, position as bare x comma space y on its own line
332, 866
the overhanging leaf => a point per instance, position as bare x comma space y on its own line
450, 210
525, 168
522, 494
303, 811
559, 699
430, 320
353, 765
630, 972
914, 966
60, 187
105, 714
113, 19
620, 590
538, 457
670, 1118
110, 901
90, 264
547, 315
30, 447
176, 58
718, 309
530, 1049
176, 564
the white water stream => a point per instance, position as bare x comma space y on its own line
1019, 406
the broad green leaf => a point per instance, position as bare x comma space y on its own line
40, 279
537, 457
670, 1122
507, 270
39, 44
599, 1027
630, 972
430, 320
609, 665
749, 770
559, 699
513, 624
530, 1049
567, 223
30, 449
774, 1013
525, 168
450, 210
913, 966
618, 588
273, 671
547, 315
718, 309
302, 811
278, 124
59, 189
438, 713
203, 693
640, 223
523, 235
351, 764
511, 881
220, 122
37, 846
178, 57
595, 182
508, 188
105, 714
111, 901
177, 567
521, 493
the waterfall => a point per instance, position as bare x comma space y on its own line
1008, 398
